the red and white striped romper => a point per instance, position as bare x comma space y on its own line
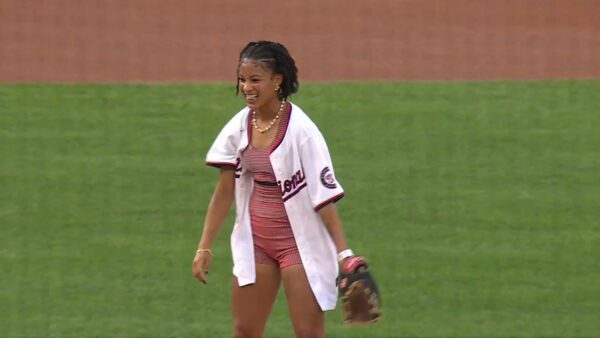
274, 241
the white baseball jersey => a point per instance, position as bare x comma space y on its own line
304, 173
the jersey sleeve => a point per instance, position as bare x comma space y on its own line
223, 151
323, 188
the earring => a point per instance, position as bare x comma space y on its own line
277, 88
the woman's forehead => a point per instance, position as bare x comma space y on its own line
251, 66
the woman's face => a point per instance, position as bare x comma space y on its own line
258, 84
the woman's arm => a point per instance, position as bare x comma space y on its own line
330, 217
219, 205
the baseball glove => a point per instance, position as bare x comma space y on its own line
358, 293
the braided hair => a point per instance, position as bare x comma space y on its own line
276, 58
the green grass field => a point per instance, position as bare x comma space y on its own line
477, 203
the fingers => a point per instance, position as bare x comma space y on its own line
199, 271
200, 267
353, 264
202, 276
207, 260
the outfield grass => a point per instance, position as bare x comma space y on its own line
477, 204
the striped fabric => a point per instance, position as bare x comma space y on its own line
274, 241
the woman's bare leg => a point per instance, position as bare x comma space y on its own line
307, 317
251, 304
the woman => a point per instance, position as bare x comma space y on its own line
276, 166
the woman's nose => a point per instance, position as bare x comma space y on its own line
245, 87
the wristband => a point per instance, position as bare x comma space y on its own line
205, 250
344, 254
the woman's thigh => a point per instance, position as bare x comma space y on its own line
306, 314
251, 304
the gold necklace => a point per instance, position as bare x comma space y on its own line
272, 121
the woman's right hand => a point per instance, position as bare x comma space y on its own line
201, 264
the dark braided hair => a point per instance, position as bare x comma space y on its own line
276, 58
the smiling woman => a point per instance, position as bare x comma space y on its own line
275, 164
266, 77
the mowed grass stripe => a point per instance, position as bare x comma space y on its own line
476, 203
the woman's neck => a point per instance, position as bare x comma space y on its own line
269, 111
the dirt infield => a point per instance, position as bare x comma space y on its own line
198, 40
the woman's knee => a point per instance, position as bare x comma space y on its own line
245, 331
309, 332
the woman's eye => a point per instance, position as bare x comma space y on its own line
250, 80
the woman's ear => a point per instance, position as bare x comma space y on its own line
278, 78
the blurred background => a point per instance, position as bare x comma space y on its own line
187, 40
464, 133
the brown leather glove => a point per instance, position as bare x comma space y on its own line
358, 292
